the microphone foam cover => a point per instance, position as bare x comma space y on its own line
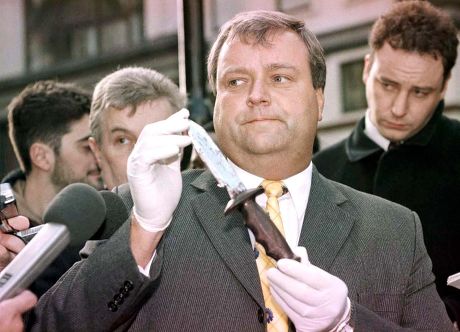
116, 215
81, 208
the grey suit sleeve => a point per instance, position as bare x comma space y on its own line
106, 288
423, 308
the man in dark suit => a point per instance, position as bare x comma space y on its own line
405, 149
180, 265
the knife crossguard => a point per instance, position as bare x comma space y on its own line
259, 222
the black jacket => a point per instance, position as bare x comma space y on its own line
422, 174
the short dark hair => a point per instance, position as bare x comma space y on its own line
255, 26
43, 112
417, 26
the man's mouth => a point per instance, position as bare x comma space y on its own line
394, 125
255, 120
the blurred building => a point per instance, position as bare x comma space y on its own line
83, 40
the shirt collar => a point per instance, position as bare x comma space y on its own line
372, 132
298, 185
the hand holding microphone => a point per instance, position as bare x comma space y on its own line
313, 299
11, 245
9, 222
12, 310
154, 171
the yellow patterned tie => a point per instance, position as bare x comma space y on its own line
275, 316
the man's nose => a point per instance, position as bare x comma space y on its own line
258, 94
399, 107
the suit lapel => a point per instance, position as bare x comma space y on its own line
228, 234
326, 224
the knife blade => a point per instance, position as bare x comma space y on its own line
256, 219
217, 163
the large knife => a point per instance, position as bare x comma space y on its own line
242, 199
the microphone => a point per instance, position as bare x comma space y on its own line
33, 259
28, 234
78, 206
87, 213
81, 208
116, 215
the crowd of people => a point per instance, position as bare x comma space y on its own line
372, 219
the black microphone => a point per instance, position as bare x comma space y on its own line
116, 215
81, 208
33, 259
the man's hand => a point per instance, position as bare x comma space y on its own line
312, 298
154, 171
11, 245
13, 308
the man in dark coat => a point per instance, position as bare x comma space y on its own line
49, 129
405, 149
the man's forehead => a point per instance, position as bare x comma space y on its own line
411, 66
79, 130
264, 38
239, 57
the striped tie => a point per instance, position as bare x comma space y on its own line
276, 318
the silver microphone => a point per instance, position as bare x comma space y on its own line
33, 259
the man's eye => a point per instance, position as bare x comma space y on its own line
235, 82
420, 93
280, 79
387, 86
123, 141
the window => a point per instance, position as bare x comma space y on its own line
290, 5
63, 31
353, 90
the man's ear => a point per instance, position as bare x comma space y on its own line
95, 148
367, 67
42, 156
320, 102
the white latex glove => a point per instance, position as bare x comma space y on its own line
312, 298
154, 173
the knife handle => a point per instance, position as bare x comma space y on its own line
259, 222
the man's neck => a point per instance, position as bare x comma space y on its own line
38, 192
271, 167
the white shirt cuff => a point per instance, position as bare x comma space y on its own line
146, 270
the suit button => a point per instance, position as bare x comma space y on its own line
112, 306
128, 285
260, 315
256, 253
118, 299
264, 315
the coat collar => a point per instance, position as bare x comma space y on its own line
325, 228
359, 146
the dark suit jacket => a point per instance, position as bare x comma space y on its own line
204, 276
